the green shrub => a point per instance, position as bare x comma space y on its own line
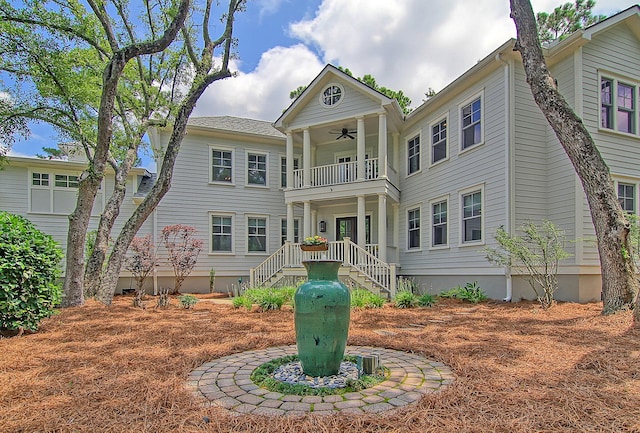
29, 269
426, 300
362, 298
187, 301
471, 292
267, 298
241, 301
405, 299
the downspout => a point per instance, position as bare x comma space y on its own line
155, 242
507, 165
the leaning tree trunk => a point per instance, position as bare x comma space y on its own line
619, 284
203, 78
95, 263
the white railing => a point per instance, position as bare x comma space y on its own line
350, 254
336, 174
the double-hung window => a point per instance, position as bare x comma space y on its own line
618, 105
627, 197
221, 233
413, 219
283, 170
283, 231
439, 230
221, 165
472, 217
439, 141
256, 169
413, 154
471, 115
257, 234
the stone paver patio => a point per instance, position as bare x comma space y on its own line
226, 382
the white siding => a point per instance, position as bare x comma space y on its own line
481, 166
355, 102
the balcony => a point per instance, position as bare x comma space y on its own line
342, 173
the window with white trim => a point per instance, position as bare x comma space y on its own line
283, 230
66, 181
413, 155
471, 115
221, 233
221, 165
627, 197
472, 217
439, 221
57, 193
257, 234
256, 169
40, 179
618, 105
439, 141
283, 169
413, 226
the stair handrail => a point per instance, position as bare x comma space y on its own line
270, 267
378, 271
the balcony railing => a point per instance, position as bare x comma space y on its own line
336, 174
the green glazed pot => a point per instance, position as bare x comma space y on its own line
322, 310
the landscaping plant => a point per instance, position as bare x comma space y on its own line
29, 272
362, 298
405, 299
187, 301
535, 254
140, 263
183, 250
471, 292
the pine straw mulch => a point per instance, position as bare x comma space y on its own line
518, 368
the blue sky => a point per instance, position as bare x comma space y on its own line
405, 44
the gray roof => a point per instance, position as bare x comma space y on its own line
237, 124
146, 183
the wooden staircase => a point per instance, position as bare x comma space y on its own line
358, 265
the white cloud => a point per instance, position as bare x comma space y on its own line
264, 92
405, 44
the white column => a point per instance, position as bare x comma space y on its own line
382, 227
290, 223
289, 162
361, 152
306, 157
307, 219
382, 145
362, 233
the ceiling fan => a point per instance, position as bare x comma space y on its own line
344, 133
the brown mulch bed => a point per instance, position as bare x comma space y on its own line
518, 368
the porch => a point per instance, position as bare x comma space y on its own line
360, 265
343, 173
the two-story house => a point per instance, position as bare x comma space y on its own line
419, 195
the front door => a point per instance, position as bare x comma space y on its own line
347, 227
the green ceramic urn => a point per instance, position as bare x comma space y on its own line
322, 309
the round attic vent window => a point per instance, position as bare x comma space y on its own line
332, 95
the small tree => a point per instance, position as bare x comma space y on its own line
140, 263
538, 251
29, 272
183, 250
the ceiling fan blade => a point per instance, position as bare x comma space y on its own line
350, 136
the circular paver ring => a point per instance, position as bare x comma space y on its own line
226, 382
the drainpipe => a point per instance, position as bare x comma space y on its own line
155, 242
507, 165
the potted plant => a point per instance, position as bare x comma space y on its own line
314, 243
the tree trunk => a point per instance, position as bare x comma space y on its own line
619, 284
95, 263
79, 219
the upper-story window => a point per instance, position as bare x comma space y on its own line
331, 95
618, 101
40, 179
283, 170
471, 115
221, 165
256, 169
56, 193
439, 141
413, 154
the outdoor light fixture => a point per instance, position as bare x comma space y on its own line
323, 226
